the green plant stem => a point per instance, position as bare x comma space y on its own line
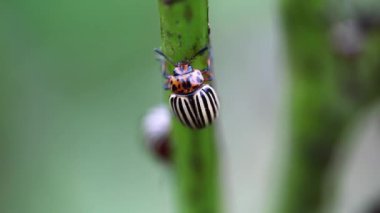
184, 31
327, 92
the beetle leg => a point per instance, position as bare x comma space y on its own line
164, 70
208, 76
167, 85
207, 73
209, 60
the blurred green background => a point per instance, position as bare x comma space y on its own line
76, 78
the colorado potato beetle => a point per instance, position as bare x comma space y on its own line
192, 101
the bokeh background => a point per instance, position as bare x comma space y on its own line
77, 77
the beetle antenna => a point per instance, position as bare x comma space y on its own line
158, 51
200, 52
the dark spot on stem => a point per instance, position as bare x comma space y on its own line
169, 34
188, 14
170, 2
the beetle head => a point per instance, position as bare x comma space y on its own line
182, 68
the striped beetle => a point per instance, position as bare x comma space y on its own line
193, 102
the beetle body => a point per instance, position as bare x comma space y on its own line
193, 102
198, 109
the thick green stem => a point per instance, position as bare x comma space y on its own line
184, 31
327, 91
